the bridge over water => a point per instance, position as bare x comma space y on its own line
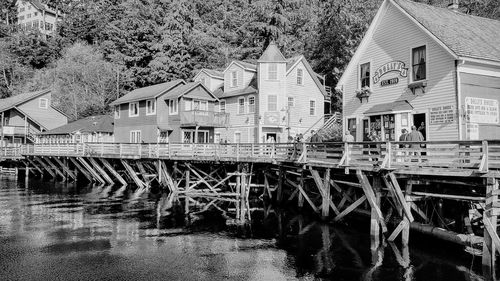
447, 189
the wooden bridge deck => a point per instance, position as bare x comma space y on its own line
447, 158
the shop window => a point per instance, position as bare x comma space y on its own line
300, 76
272, 71
312, 107
241, 105
272, 103
251, 104
150, 107
419, 64
365, 75
133, 109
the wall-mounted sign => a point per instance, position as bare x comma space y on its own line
271, 118
397, 66
481, 110
442, 115
389, 82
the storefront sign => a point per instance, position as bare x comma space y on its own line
397, 66
481, 110
442, 115
389, 82
472, 131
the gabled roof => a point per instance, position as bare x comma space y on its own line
185, 89
463, 36
212, 73
243, 64
10, 102
99, 123
314, 75
148, 92
272, 54
466, 35
37, 4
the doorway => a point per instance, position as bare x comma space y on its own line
419, 122
271, 137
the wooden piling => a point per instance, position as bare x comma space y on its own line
491, 242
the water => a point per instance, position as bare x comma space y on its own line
53, 231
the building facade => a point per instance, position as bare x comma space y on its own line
270, 100
33, 15
424, 66
24, 116
174, 111
89, 129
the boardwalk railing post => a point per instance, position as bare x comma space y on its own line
139, 146
388, 150
237, 152
483, 167
347, 151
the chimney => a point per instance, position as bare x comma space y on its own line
453, 5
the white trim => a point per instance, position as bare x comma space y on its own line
130, 109
208, 74
473, 70
425, 30
171, 102
387, 112
426, 63
369, 62
301, 77
295, 64
231, 78
137, 133
459, 101
480, 61
153, 112
240, 65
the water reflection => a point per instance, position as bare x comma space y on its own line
101, 232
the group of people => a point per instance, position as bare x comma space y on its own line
414, 135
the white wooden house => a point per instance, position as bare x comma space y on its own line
273, 98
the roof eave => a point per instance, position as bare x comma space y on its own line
480, 61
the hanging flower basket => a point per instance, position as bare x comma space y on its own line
364, 92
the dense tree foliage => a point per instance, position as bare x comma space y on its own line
104, 48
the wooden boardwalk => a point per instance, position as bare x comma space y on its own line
448, 189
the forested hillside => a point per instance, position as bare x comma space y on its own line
105, 48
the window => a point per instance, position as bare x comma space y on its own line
217, 138
188, 104
418, 63
241, 105
28, 16
234, 79
48, 26
222, 106
35, 14
272, 71
300, 76
117, 111
135, 136
351, 126
272, 103
196, 105
43, 103
133, 109
172, 107
203, 105
312, 107
251, 104
365, 74
237, 137
150, 107
291, 102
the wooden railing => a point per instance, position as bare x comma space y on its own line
476, 156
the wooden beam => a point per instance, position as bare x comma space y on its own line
94, 174
133, 174
47, 168
100, 170
34, 165
491, 243
110, 168
65, 168
397, 230
315, 209
56, 169
81, 168
370, 196
399, 195
350, 208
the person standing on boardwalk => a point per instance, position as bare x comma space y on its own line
414, 135
404, 135
348, 137
315, 137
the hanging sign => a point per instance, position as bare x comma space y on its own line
482, 110
396, 66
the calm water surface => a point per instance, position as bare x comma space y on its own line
53, 231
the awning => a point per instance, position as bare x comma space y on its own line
164, 128
388, 108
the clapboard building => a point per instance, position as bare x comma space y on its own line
435, 68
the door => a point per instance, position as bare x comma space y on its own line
271, 137
419, 122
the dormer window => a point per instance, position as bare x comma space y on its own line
222, 106
300, 76
272, 71
43, 103
364, 71
234, 78
418, 63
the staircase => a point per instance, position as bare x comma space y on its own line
330, 120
